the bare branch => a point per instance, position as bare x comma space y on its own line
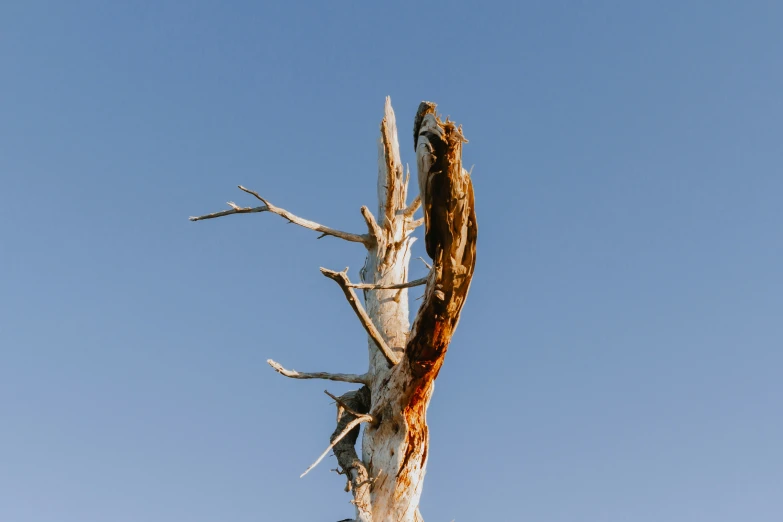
351, 425
409, 284
268, 207
343, 405
373, 230
412, 208
429, 266
412, 225
342, 279
253, 192
235, 210
341, 377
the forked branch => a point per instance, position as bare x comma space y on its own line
365, 239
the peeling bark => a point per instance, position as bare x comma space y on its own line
386, 482
399, 444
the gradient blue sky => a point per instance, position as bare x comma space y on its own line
619, 358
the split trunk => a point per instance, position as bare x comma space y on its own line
386, 480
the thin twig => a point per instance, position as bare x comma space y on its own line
268, 207
235, 210
343, 405
341, 377
253, 192
351, 425
341, 278
429, 266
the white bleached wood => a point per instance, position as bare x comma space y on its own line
341, 377
383, 444
391, 183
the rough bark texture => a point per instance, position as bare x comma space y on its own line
386, 482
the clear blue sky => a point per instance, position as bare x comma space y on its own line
619, 358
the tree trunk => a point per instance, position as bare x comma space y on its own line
386, 482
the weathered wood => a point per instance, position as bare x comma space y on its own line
340, 377
451, 233
358, 482
398, 441
268, 207
386, 482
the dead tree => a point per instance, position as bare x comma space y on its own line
386, 482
